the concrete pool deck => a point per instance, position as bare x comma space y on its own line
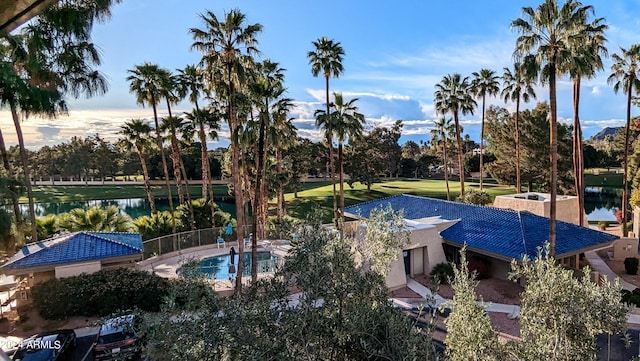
166, 266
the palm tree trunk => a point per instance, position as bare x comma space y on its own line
330, 141
25, 172
626, 164
460, 164
446, 172
14, 195
553, 157
237, 179
187, 192
518, 180
258, 198
482, 141
165, 170
147, 183
577, 150
280, 211
341, 164
176, 171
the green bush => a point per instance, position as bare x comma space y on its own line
99, 294
631, 265
442, 273
631, 297
602, 225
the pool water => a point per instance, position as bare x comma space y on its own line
218, 267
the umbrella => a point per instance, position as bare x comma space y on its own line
229, 229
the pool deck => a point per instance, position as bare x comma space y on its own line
167, 264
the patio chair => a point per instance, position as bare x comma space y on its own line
220, 242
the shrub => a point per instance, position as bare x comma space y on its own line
99, 294
631, 297
442, 273
631, 265
475, 197
602, 225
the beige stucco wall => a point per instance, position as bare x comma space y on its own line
76, 269
568, 210
625, 247
420, 238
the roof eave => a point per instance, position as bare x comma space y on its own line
52, 267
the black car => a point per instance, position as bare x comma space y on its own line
119, 338
48, 346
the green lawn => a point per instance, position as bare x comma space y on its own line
321, 196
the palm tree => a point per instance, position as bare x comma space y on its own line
282, 135
349, 124
327, 58
225, 47
585, 62
453, 95
484, 83
97, 219
136, 136
624, 76
517, 85
548, 33
443, 131
191, 80
146, 82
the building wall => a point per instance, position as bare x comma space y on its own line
568, 210
428, 238
76, 269
625, 247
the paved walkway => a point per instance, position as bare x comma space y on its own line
599, 265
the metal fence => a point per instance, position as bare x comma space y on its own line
221, 236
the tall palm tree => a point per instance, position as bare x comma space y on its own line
225, 46
585, 62
266, 86
349, 124
282, 135
624, 76
136, 137
548, 33
484, 83
517, 85
326, 58
145, 81
443, 131
173, 92
191, 80
453, 95
51, 57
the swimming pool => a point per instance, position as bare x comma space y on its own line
219, 267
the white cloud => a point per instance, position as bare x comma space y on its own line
595, 90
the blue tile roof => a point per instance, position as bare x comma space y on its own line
504, 232
76, 247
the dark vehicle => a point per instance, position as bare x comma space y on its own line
118, 338
47, 346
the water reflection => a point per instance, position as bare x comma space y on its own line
134, 207
602, 203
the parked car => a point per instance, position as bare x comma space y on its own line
48, 346
119, 336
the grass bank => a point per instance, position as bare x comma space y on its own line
57, 194
321, 196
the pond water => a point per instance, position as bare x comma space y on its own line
134, 207
602, 203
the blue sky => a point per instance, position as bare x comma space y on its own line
395, 53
